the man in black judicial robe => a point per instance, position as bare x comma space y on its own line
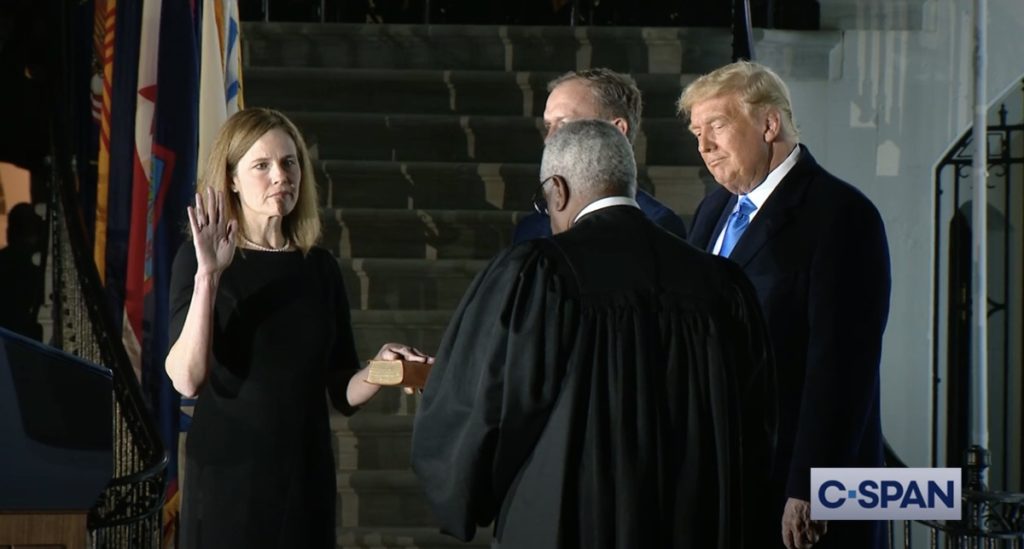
609, 387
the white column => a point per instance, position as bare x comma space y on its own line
979, 257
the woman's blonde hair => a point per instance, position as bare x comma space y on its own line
236, 137
756, 86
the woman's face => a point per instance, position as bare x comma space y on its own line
267, 177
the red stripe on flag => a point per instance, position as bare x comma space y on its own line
134, 292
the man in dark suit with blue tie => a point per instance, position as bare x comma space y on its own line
815, 249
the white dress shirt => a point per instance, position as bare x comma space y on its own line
606, 203
761, 192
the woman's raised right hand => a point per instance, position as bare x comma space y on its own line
212, 233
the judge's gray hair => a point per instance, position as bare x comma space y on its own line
594, 158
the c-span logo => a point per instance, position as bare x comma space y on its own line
885, 494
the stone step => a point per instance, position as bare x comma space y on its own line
406, 538
468, 185
485, 47
390, 284
426, 234
904, 15
428, 185
420, 328
449, 138
666, 50
459, 92
372, 441
381, 498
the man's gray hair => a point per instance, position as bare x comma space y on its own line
594, 158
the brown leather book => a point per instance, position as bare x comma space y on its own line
399, 373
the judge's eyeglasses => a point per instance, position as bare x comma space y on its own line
539, 202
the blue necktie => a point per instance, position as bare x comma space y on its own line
738, 222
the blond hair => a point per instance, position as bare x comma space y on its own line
757, 87
236, 137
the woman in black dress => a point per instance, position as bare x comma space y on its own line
261, 326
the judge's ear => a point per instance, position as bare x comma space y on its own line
559, 198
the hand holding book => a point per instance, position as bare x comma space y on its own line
398, 372
394, 360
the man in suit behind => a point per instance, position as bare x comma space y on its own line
607, 95
815, 249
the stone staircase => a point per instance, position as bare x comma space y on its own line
428, 141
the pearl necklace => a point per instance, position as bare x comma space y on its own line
287, 246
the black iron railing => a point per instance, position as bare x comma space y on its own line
991, 519
127, 514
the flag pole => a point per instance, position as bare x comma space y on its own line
976, 458
979, 267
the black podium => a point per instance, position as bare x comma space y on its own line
56, 442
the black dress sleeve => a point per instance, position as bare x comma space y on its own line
343, 362
183, 273
490, 392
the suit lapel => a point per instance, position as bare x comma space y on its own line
710, 217
777, 210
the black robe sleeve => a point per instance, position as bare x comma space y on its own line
491, 389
